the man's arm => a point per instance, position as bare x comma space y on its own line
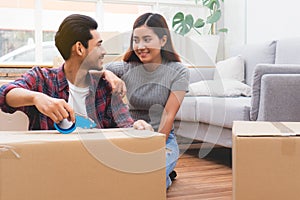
56, 109
117, 84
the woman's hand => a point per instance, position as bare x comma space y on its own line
117, 84
142, 125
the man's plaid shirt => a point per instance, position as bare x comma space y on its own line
106, 109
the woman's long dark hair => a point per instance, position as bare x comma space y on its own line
159, 26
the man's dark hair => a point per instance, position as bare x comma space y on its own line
74, 28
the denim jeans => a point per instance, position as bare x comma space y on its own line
172, 154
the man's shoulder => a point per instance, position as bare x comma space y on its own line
43, 70
100, 83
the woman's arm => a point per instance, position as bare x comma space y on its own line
170, 110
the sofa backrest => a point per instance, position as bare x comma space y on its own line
253, 54
287, 51
200, 74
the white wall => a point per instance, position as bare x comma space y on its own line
235, 21
269, 19
254, 21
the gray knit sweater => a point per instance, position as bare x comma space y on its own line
148, 92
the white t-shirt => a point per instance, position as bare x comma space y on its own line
77, 98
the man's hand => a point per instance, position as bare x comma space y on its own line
56, 109
118, 86
142, 125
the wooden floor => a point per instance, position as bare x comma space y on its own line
207, 178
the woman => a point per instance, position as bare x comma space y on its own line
156, 81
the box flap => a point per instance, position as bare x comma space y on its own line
8, 137
265, 129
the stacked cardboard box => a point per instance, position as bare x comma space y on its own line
266, 160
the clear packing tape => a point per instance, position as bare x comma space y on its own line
285, 130
5, 148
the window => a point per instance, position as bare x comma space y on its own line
36, 21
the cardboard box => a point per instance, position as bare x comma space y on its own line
112, 164
266, 160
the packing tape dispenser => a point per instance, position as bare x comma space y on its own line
66, 126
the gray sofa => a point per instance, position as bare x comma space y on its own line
272, 69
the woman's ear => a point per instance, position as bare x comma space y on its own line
164, 40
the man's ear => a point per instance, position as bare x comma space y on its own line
79, 48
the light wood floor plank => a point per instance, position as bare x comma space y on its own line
209, 178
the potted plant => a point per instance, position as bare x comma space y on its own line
183, 24
205, 28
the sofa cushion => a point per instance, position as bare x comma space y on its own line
219, 88
231, 68
287, 51
214, 110
187, 110
254, 54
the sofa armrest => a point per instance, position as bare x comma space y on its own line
280, 97
261, 70
201, 73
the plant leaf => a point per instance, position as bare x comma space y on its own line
189, 20
211, 4
214, 17
178, 18
204, 2
182, 24
223, 30
199, 23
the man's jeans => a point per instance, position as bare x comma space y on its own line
172, 154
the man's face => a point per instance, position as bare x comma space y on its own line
95, 53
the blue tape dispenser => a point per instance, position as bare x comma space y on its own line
66, 126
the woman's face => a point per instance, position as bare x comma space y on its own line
147, 45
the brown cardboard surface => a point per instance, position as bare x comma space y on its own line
249, 129
17, 121
44, 166
265, 165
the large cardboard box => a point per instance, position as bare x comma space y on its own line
266, 160
112, 164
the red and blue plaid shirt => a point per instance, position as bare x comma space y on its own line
106, 109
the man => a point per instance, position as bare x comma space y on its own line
48, 96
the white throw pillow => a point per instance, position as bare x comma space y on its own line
219, 88
231, 68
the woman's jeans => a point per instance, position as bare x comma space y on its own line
172, 154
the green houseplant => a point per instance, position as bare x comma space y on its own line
183, 24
